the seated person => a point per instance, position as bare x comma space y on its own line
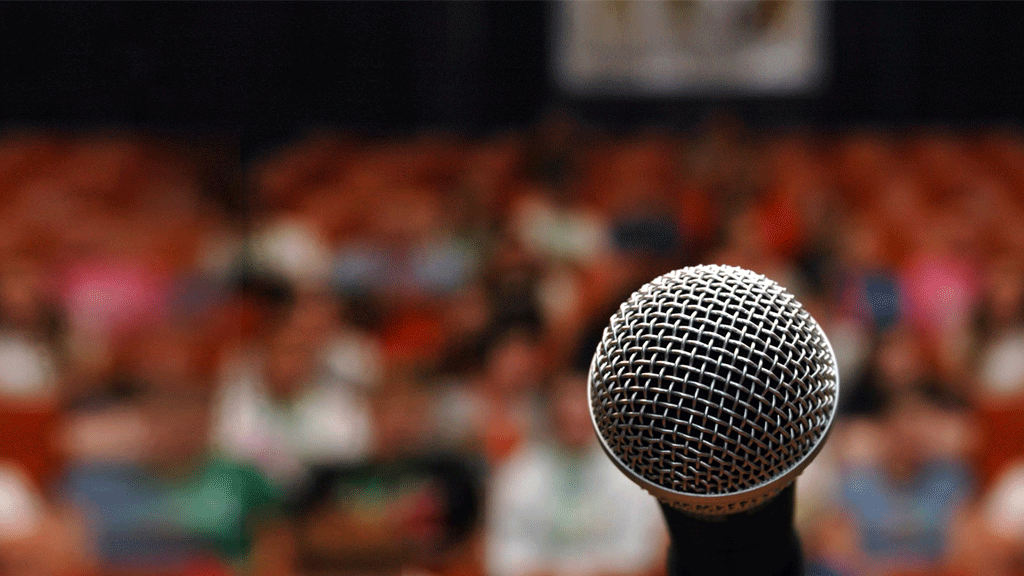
287, 412
560, 507
180, 510
407, 506
904, 494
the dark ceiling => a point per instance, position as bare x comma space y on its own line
269, 68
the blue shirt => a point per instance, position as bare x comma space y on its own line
905, 519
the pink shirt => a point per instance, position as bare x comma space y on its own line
940, 291
109, 295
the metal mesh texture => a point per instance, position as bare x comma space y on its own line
712, 388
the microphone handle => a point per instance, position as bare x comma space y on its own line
758, 542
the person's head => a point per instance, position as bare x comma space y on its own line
178, 420
570, 412
513, 363
290, 361
904, 426
21, 295
1004, 291
168, 356
864, 242
900, 359
315, 313
401, 412
469, 311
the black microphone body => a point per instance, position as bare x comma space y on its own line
713, 389
760, 542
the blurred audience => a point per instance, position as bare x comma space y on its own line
180, 509
411, 504
376, 366
286, 408
903, 498
559, 507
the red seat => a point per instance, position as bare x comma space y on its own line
1001, 429
27, 434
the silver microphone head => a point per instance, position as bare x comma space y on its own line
712, 388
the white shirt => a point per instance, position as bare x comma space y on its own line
27, 368
552, 512
1002, 366
329, 422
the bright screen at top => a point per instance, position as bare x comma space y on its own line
689, 47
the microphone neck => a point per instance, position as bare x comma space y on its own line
758, 542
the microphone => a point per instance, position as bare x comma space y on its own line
712, 388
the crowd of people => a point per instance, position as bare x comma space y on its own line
367, 355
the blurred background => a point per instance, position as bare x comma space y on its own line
311, 289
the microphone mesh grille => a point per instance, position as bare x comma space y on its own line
711, 381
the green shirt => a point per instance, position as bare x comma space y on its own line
220, 503
156, 521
